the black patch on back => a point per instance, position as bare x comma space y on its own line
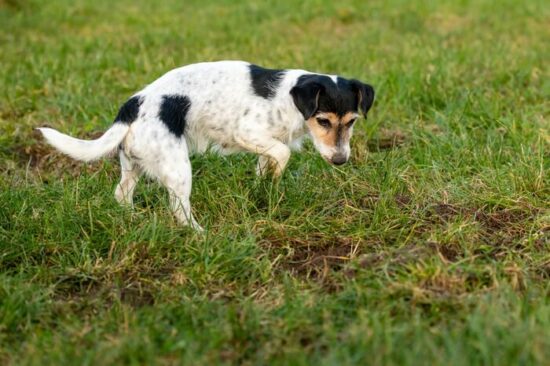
129, 110
265, 81
173, 112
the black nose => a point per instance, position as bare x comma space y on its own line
338, 159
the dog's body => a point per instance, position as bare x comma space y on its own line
226, 106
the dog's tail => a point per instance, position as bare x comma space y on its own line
87, 150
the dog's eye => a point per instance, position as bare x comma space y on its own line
351, 122
324, 122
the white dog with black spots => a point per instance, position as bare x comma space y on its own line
225, 106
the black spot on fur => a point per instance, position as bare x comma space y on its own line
246, 111
265, 81
173, 112
129, 110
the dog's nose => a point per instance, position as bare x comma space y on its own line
338, 159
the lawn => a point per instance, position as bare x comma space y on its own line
431, 246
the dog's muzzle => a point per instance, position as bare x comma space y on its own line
338, 159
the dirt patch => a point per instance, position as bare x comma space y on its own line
403, 200
502, 218
316, 255
313, 256
13, 4
500, 229
446, 212
492, 220
384, 140
387, 139
449, 253
319, 257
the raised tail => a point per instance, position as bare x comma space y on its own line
83, 149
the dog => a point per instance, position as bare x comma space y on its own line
227, 107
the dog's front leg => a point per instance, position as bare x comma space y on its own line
274, 161
273, 153
268, 165
264, 165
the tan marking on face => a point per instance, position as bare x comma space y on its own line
326, 136
339, 132
349, 116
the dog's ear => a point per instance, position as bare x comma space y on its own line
306, 96
365, 95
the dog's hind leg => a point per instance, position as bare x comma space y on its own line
129, 177
173, 169
177, 179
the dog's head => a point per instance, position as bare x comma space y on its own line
330, 110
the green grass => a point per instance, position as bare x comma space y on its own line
432, 246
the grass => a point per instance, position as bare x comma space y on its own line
430, 247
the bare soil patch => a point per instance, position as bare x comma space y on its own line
312, 256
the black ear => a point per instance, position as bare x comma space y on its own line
365, 95
306, 96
